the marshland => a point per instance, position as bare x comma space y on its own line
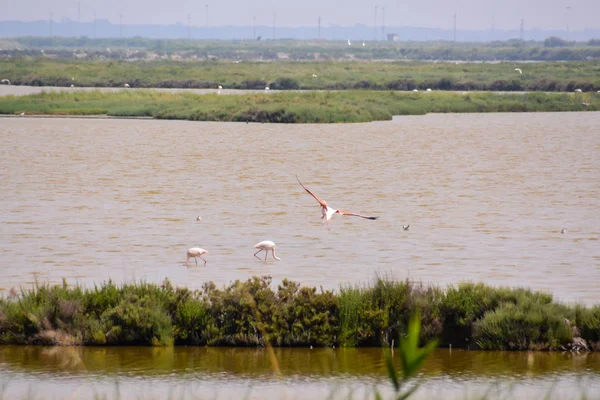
98, 215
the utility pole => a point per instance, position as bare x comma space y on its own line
383, 23
522, 31
375, 24
319, 29
454, 27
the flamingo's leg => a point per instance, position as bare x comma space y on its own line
195, 259
203, 260
186, 261
266, 254
255, 254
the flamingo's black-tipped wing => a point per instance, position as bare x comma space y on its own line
321, 202
355, 215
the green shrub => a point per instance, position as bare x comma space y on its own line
461, 307
190, 323
587, 321
136, 320
529, 325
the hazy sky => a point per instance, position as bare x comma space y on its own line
471, 14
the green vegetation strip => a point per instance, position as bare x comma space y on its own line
251, 313
553, 48
282, 75
290, 107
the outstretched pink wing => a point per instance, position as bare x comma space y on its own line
354, 214
321, 202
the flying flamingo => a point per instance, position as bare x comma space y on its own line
195, 252
266, 245
327, 212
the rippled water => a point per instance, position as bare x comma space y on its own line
485, 196
211, 373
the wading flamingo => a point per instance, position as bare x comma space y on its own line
266, 245
195, 252
327, 212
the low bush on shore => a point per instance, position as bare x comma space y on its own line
252, 313
290, 107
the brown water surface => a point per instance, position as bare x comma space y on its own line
198, 372
485, 196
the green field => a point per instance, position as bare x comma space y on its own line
289, 107
285, 75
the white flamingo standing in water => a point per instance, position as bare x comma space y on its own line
327, 212
266, 245
195, 252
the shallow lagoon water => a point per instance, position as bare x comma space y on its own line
485, 196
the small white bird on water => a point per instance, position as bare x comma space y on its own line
563, 230
195, 252
327, 212
265, 246
578, 90
519, 70
199, 218
126, 85
267, 89
405, 227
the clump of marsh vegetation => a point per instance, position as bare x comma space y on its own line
252, 313
290, 107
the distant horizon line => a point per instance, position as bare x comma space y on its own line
316, 26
